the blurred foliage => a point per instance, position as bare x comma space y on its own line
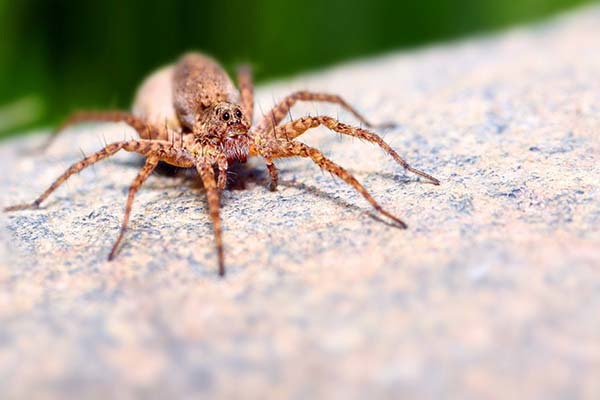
59, 55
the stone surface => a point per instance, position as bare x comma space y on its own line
492, 292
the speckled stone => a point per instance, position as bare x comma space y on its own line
492, 292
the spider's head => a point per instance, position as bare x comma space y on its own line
226, 126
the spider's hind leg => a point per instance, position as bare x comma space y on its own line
274, 116
144, 130
246, 90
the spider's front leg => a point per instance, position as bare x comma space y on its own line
295, 128
145, 172
281, 148
207, 174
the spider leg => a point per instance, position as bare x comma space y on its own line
297, 149
296, 128
281, 110
144, 130
163, 150
207, 174
246, 90
145, 172
222, 165
273, 173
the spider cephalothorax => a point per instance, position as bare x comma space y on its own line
191, 115
224, 126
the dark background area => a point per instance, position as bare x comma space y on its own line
58, 55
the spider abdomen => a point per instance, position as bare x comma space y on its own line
153, 104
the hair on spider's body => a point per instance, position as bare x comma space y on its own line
205, 123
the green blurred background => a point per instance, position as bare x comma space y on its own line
58, 55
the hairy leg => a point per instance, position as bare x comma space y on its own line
281, 110
297, 127
273, 173
212, 196
163, 150
246, 90
222, 165
144, 130
297, 149
145, 172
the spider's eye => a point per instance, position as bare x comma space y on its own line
226, 116
238, 113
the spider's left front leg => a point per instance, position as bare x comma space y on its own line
158, 152
145, 172
295, 128
284, 148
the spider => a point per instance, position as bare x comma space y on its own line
206, 124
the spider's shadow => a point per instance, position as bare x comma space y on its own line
241, 175
334, 199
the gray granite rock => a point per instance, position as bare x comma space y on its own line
492, 292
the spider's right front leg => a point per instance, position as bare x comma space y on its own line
207, 174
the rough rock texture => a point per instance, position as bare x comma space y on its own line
492, 292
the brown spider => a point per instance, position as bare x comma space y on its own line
206, 124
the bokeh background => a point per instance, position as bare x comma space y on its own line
59, 55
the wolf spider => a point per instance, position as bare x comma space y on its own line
206, 125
